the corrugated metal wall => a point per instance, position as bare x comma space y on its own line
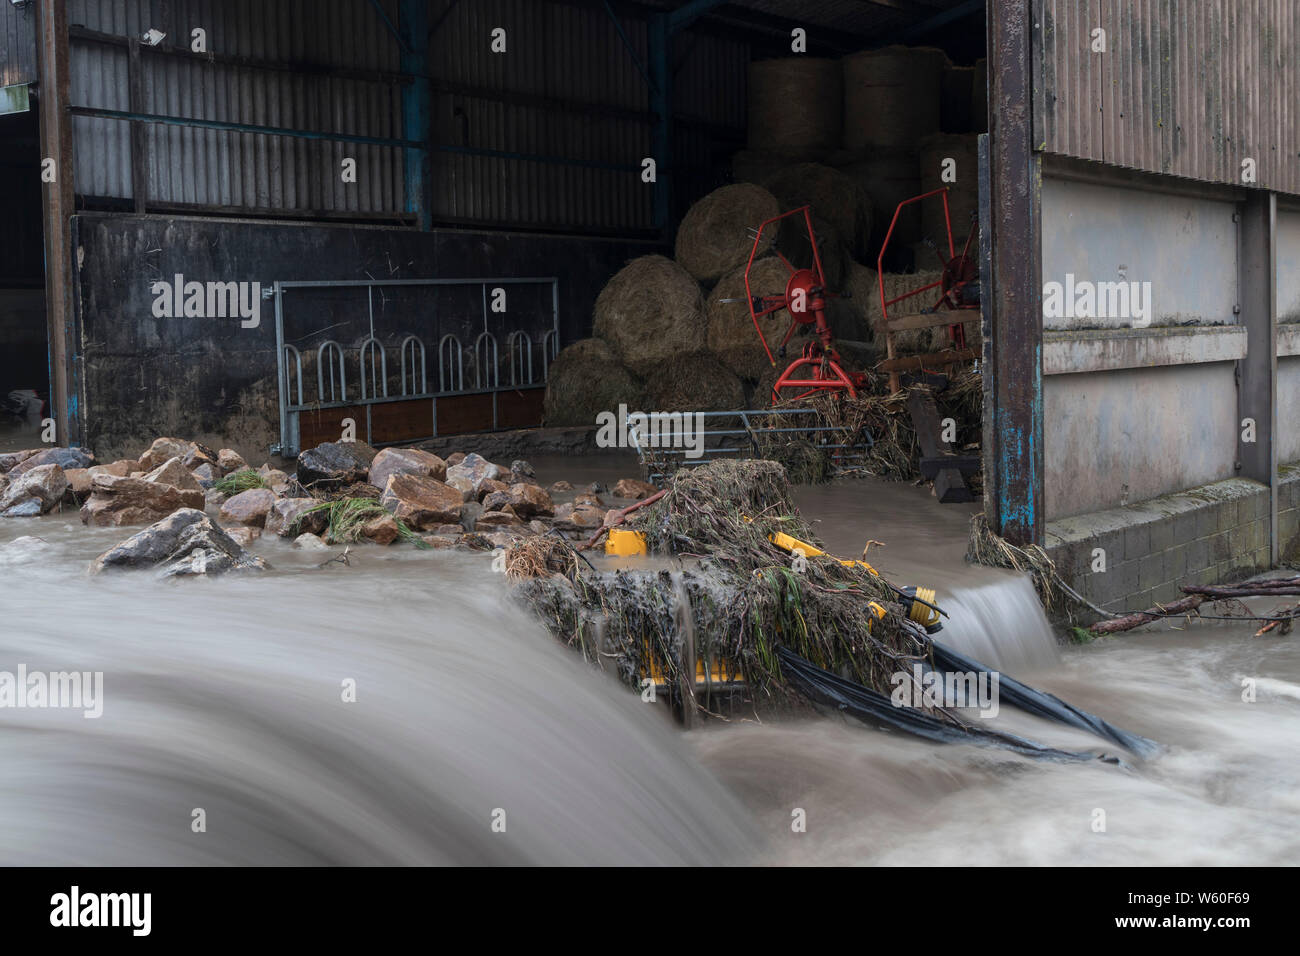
241, 170
17, 44
1187, 87
567, 88
550, 134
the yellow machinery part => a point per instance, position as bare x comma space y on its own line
624, 543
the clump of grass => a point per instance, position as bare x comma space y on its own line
243, 480
347, 516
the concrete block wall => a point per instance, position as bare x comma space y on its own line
1208, 535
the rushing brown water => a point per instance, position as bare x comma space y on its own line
227, 696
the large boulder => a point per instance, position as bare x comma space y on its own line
34, 492
191, 453
185, 543
422, 502
405, 461
173, 472
290, 517
117, 501
337, 462
65, 458
248, 507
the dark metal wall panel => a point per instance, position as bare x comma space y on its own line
1187, 87
17, 44
244, 170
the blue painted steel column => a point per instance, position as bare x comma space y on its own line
414, 35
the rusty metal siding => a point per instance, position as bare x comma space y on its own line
17, 44
1186, 87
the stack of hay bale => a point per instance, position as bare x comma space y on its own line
851, 138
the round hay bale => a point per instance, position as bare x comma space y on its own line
963, 194
731, 335
714, 237
693, 383
979, 102
586, 378
835, 198
888, 178
891, 96
796, 105
650, 312
957, 99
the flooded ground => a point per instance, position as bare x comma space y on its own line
227, 696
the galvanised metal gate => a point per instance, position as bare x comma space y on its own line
411, 359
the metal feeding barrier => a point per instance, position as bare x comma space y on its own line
740, 434
485, 399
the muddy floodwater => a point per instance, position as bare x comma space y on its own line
474, 737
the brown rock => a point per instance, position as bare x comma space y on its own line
310, 542
632, 488
381, 529
173, 472
121, 468
538, 527
497, 521
229, 460
455, 458
440, 542
117, 501
405, 461
452, 530
560, 487
190, 453
462, 485
583, 516
530, 501
477, 470
290, 517
591, 501
502, 539
248, 507
78, 481
422, 502
489, 485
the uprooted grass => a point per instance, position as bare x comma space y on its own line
742, 599
245, 479
347, 518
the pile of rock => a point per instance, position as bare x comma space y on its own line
178, 487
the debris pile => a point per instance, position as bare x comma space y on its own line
737, 597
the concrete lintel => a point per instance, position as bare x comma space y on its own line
1103, 350
1288, 339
